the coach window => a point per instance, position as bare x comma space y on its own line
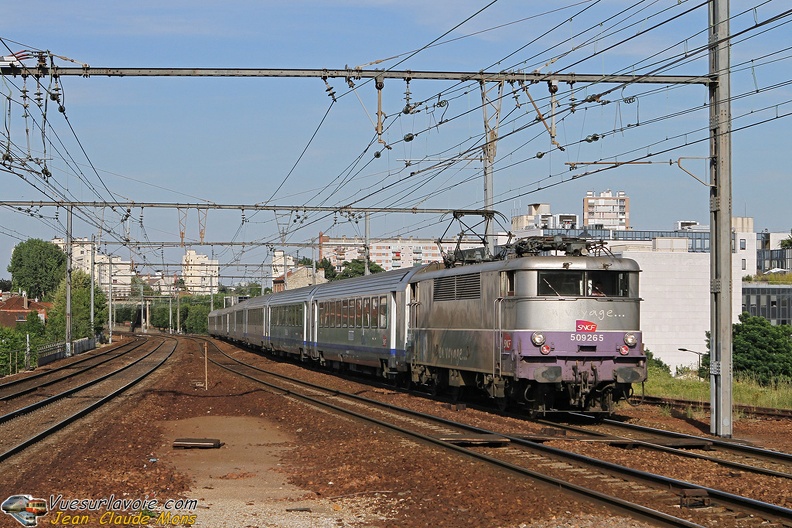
337, 315
383, 312
344, 312
374, 312
359, 312
366, 312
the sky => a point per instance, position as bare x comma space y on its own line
285, 142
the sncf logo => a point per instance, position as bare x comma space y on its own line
585, 326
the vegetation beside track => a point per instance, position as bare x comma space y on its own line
746, 391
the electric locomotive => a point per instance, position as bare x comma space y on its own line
554, 328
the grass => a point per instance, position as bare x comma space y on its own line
745, 391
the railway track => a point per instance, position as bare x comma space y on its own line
19, 387
29, 424
734, 455
749, 410
657, 498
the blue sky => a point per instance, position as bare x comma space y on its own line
235, 141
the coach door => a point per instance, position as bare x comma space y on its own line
314, 329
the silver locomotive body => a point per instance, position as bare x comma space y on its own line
547, 332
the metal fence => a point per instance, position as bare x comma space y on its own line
44, 354
50, 353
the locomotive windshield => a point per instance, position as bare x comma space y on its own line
584, 283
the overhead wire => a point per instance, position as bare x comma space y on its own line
443, 169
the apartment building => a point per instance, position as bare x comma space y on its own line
200, 274
606, 210
110, 272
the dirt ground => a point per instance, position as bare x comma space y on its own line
283, 464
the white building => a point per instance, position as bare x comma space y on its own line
281, 262
538, 216
606, 210
393, 253
201, 276
675, 288
107, 269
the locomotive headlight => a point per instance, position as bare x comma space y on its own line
538, 338
630, 340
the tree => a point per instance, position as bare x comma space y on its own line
656, 364
80, 309
250, 289
5, 285
787, 242
12, 348
124, 313
761, 350
197, 321
357, 268
329, 269
37, 267
163, 315
32, 326
139, 286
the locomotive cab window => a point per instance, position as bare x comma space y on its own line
507, 284
607, 284
584, 284
560, 283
